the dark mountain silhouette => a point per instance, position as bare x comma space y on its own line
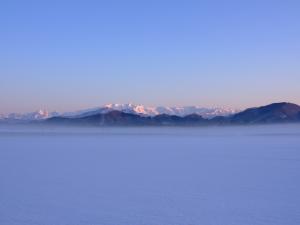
118, 118
273, 113
113, 118
190, 120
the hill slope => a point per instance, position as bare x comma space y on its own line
273, 113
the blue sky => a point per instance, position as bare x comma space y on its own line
67, 55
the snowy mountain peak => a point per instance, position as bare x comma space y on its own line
179, 111
37, 115
132, 108
127, 108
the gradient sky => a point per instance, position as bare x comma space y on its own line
67, 55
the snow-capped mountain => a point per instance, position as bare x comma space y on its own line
153, 111
128, 108
37, 115
187, 110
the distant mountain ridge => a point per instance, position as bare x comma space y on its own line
127, 108
274, 113
137, 115
154, 111
32, 116
119, 118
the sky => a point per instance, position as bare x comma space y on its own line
68, 55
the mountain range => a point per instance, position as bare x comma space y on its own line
130, 115
274, 113
126, 108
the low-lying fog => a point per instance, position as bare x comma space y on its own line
150, 176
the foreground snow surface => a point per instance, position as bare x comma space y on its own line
150, 176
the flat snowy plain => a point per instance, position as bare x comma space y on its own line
150, 176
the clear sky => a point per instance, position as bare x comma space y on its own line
67, 55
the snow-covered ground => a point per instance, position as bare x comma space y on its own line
150, 176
